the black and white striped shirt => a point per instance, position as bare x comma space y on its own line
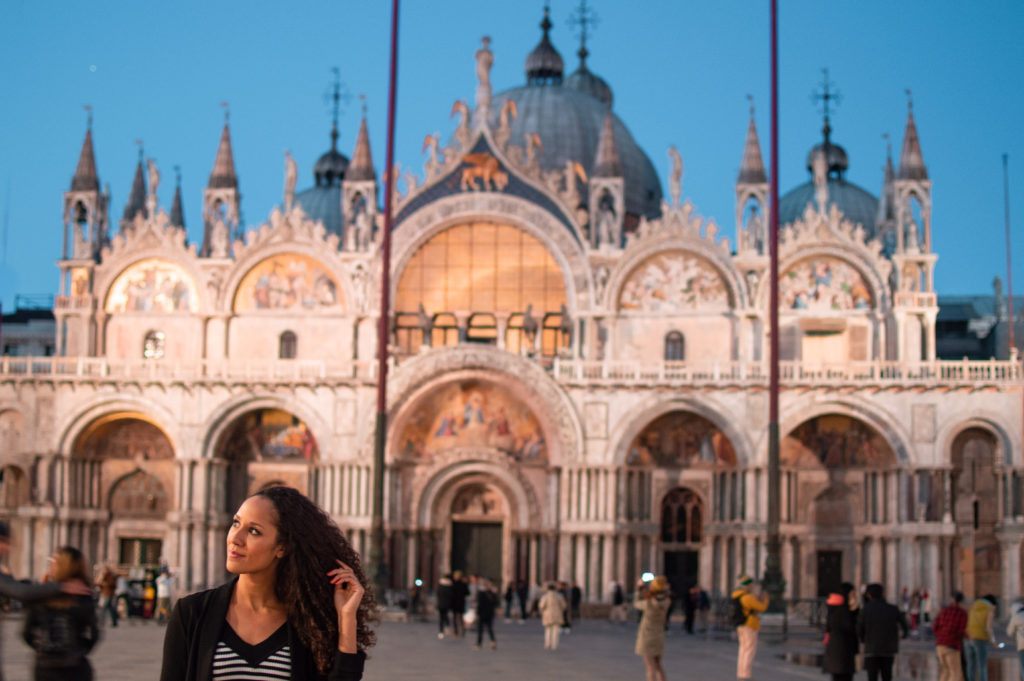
236, 660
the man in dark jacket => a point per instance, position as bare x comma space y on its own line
486, 604
444, 603
460, 592
878, 627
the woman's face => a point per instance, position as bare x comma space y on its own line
252, 539
851, 599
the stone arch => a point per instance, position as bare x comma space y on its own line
138, 495
836, 441
416, 377
655, 407
224, 417
877, 287
167, 285
704, 253
329, 290
440, 490
71, 429
450, 211
1006, 443
807, 408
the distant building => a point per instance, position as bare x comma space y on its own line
579, 388
977, 327
30, 330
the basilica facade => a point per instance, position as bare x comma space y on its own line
578, 378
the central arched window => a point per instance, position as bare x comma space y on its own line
483, 274
288, 345
681, 521
675, 348
153, 345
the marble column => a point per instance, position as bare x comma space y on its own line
607, 562
594, 577
580, 567
565, 557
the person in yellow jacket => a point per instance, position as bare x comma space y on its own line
979, 635
747, 632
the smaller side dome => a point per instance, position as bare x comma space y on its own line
544, 64
835, 156
590, 83
330, 168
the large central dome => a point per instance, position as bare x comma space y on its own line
568, 116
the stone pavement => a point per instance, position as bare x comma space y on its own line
594, 650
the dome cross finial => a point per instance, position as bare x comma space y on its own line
584, 18
827, 95
336, 103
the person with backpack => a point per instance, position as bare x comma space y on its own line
745, 609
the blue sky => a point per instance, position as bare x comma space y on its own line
680, 72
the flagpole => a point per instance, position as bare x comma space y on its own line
381, 577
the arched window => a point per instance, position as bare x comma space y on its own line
153, 345
675, 347
681, 517
288, 345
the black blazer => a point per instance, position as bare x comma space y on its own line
841, 649
879, 626
194, 629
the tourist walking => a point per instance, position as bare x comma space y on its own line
575, 599
979, 636
949, 628
444, 603
703, 608
1015, 628
108, 595
460, 591
552, 608
689, 608
879, 626
62, 630
163, 595
486, 604
510, 595
840, 659
619, 612
747, 623
298, 607
523, 593
653, 600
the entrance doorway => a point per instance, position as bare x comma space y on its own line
140, 551
830, 572
681, 570
476, 549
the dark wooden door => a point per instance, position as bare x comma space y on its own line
830, 572
476, 549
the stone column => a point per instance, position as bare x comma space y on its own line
1011, 569
607, 562
595, 580
621, 560
580, 566
947, 496
565, 557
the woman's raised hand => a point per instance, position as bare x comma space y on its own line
348, 592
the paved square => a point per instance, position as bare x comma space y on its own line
594, 650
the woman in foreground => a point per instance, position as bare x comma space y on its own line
298, 609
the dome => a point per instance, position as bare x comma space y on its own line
858, 205
835, 155
590, 83
544, 64
330, 168
323, 203
569, 124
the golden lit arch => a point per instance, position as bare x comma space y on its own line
489, 271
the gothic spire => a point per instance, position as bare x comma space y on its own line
911, 160
85, 178
137, 197
223, 175
752, 165
887, 200
361, 167
177, 215
606, 162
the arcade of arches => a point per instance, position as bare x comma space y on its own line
477, 481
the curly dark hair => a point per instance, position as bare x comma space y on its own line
313, 544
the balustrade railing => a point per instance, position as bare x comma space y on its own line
571, 372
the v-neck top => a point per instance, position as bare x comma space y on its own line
268, 660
